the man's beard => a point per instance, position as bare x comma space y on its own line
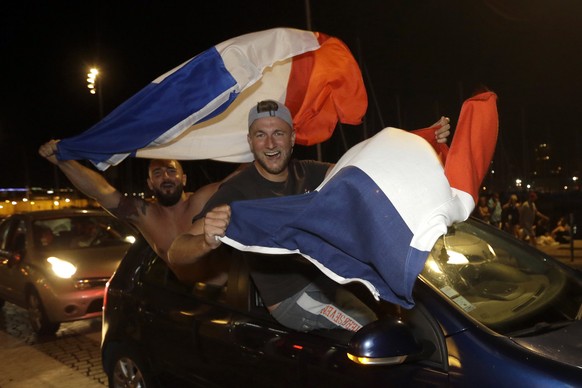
280, 168
169, 199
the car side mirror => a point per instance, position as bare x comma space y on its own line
387, 341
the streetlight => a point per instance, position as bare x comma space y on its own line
95, 87
91, 80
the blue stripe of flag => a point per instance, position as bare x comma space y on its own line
154, 110
349, 227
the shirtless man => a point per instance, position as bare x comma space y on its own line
159, 221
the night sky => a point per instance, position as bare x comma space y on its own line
420, 60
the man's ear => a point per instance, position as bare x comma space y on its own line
150, 184
249, 141
293, 138
184, 178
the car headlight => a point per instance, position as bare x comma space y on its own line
62, 268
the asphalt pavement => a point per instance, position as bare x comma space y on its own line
41, 370
71, 358
569, 254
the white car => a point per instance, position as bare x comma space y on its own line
56, 263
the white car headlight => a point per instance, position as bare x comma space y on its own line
62, 268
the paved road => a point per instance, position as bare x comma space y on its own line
567, 254
71, 358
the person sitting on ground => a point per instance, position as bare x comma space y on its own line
543, 235
295, 292
561, 232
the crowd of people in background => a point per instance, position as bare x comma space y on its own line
522, 219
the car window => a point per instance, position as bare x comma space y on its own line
4, 228
81, 231
158, 274
16, 238
500, 281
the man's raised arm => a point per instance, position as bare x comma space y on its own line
202, 237
88, 181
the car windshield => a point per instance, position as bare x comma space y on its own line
81, 231
501, 282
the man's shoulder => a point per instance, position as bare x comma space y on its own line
245, 176
308, 167
202, 194
309, 163
131, 208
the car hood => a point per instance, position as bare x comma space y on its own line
93, 262
563, 345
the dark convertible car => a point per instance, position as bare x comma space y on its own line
490, 311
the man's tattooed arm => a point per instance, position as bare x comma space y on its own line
130, 208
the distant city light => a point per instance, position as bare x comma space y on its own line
518, 182
574, 178
11, 189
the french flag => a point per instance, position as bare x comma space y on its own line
199, 109
379, 212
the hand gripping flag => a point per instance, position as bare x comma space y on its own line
379, 212
199, 109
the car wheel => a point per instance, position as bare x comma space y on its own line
127, 369
37, 315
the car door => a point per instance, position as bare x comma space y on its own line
284, 357
12, 252
5, 257
328, 363
213, 354
236, 346
185, 326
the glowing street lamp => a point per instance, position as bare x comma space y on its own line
95, 88
91, 80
